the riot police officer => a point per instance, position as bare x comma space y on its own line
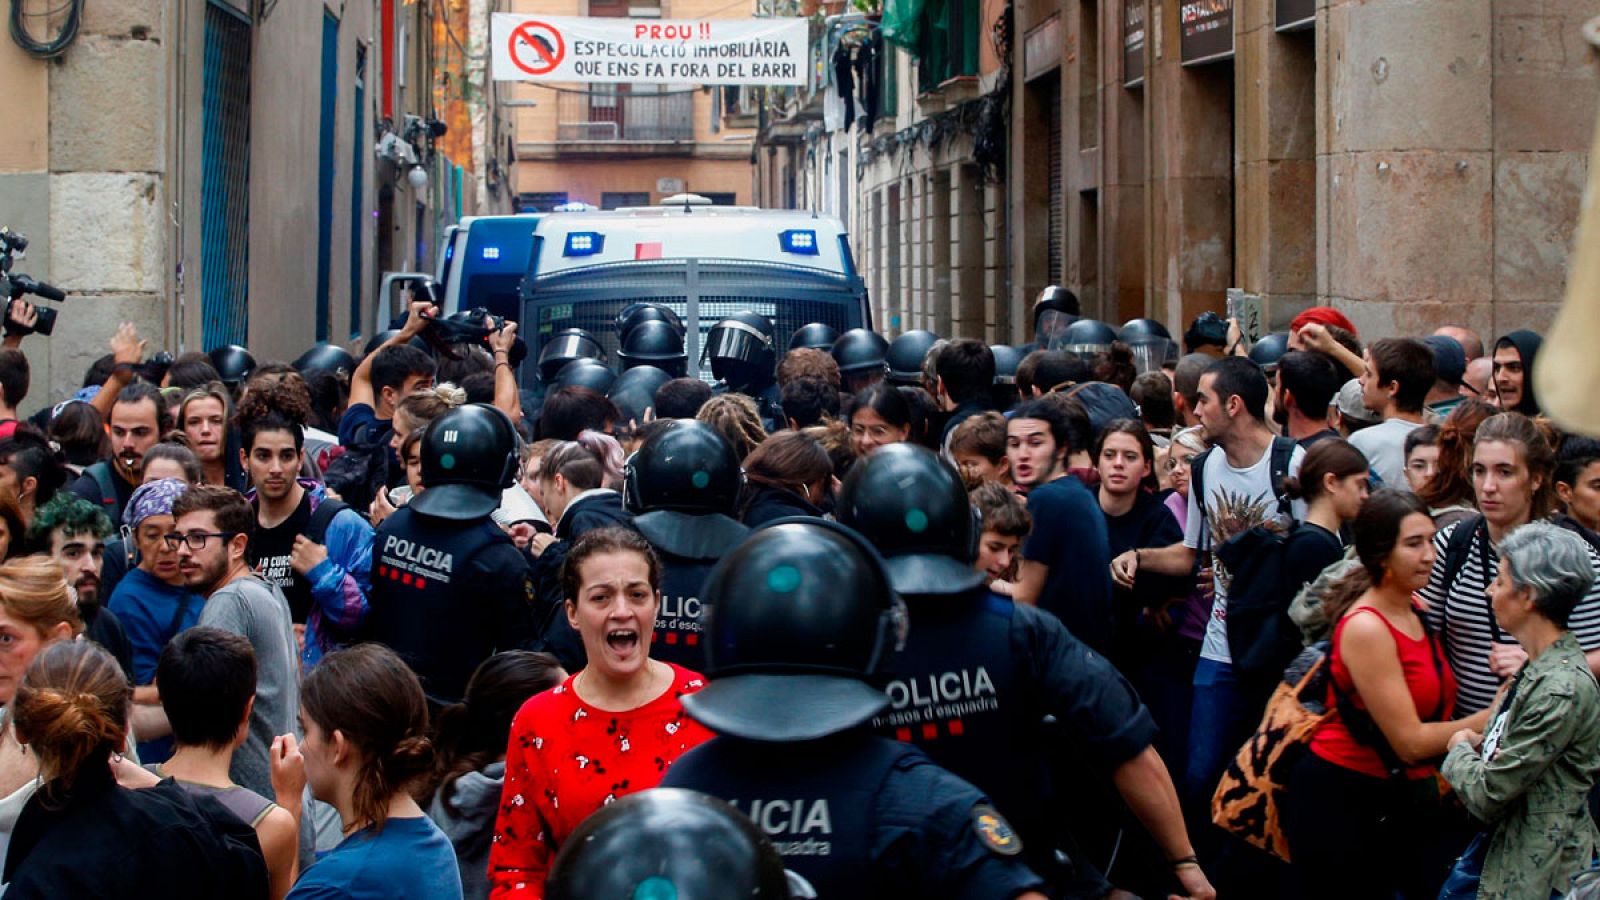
801, 620
667, 843
654, 343
978, 674
682, 487
815, 336
326, 357
861, 355
1086, 337
744, 360
448, 586
905, 357
1053, 310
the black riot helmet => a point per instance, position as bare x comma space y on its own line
1144, 331
1148, 339
860, 352
688, 466
585, 373
634, 391
906, 354
667, 844
565, 346
1269, 349
326, 357
815, 336
640, 312
654, 343
1053, 310
1007, 360
469, 455
1085, 336
233, 362
913, 507
799, 618
378, 340
741, 351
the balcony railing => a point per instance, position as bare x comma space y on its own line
623, 116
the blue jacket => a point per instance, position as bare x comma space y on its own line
339, 584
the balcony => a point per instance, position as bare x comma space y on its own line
621, 116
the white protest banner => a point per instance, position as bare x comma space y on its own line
649, 51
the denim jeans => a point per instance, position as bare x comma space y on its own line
1462, 882
1218, 726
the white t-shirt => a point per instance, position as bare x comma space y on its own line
1384, 446
1236, 501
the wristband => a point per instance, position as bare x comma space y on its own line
1190, 860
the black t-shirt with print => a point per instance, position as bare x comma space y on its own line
274, 547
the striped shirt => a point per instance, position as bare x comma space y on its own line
1460, 611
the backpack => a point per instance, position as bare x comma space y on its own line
1252, 788
359, 473
1261, 637
322, 517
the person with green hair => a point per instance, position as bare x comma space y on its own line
73, 532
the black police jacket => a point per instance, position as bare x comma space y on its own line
977, 677
601, 509
446, 595
688, 545
859, 816
763, 503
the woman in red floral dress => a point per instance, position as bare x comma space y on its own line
608, 731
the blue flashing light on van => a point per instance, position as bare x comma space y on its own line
800, 241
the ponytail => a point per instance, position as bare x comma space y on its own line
368, 694
71, 709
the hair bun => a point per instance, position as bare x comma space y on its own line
412, 757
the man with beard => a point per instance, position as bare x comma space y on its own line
212, 533
74, 533
314, 548
1233, 487
135, 422
1308, 381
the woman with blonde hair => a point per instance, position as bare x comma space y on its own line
203, 417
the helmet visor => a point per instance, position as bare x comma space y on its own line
1148, 357
569, 347
1050, 324
732, 340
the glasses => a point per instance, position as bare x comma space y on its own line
195, 539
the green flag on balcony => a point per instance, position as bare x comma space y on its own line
902, 23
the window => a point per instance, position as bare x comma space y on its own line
720, 198
540, 202
619, 199
948, 46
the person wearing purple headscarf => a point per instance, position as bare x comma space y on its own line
153, 605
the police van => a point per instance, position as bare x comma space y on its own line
704, 262
484, 261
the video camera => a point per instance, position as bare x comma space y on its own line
470, 327
14, 286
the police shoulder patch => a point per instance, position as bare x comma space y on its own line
994, 832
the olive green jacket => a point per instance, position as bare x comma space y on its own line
1532, 791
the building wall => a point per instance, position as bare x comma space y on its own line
1411, 163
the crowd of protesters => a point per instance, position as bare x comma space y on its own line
244, 652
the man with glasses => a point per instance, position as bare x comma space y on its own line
212, 538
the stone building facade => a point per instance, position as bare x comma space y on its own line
207, 169
1412, 162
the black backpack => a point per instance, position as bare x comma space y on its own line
359, 473
1282, 451
1262, 640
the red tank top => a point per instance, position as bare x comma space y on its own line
1432, 686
